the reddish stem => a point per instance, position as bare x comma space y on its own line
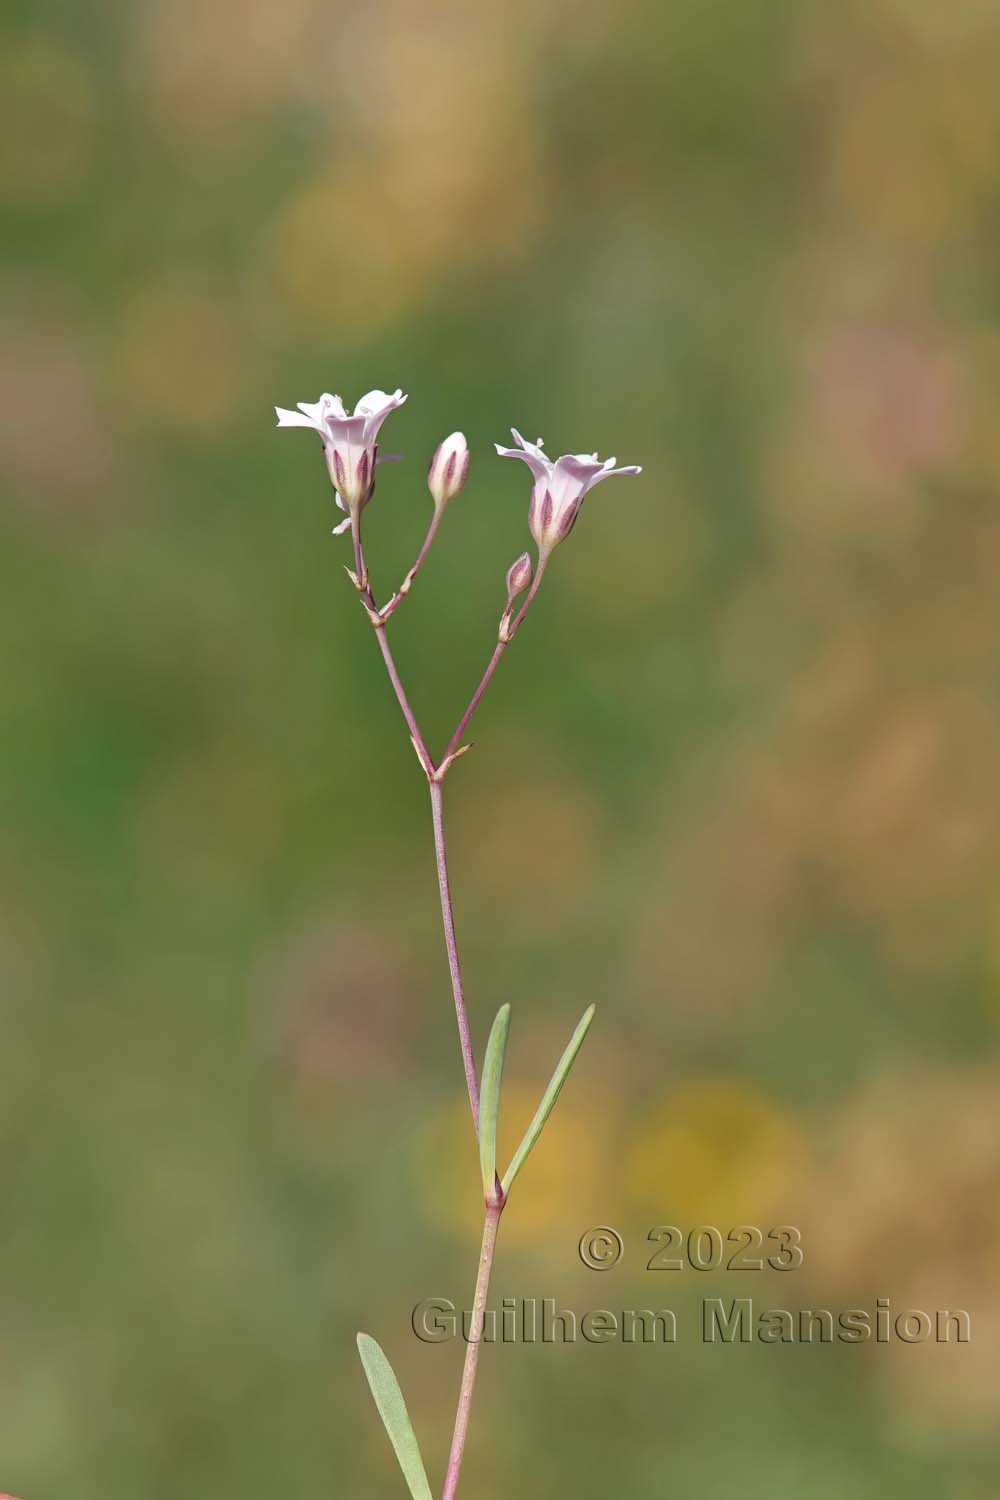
437, 814
435, 775
471, 1366
493, 663
388, 610
364, 588
454, 967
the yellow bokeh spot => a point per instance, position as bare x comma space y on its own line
439, 176
329, 270
446, 1168
890, 170
717, 1152
544, 1199
181, 356
914, 149
208, 71
52, 97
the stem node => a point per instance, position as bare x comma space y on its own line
449, 761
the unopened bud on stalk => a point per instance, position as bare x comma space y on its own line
518, 578
449, 469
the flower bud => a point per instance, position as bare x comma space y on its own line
449, 468
518, 577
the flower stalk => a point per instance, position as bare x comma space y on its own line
351, 455
436, 787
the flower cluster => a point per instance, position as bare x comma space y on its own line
350, 447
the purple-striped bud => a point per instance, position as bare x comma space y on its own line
449, 469
518, 577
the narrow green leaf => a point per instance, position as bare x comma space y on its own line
489, 1098
549, 1098
392, 1410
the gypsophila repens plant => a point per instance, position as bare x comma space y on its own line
350, 448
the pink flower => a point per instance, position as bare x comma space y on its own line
559, 488
349, 442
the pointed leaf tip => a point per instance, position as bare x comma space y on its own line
392, 1409
489, 1099
549, 1098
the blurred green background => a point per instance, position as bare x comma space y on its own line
736, 782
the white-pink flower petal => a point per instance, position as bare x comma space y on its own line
559, 488
296, 419
349, 441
